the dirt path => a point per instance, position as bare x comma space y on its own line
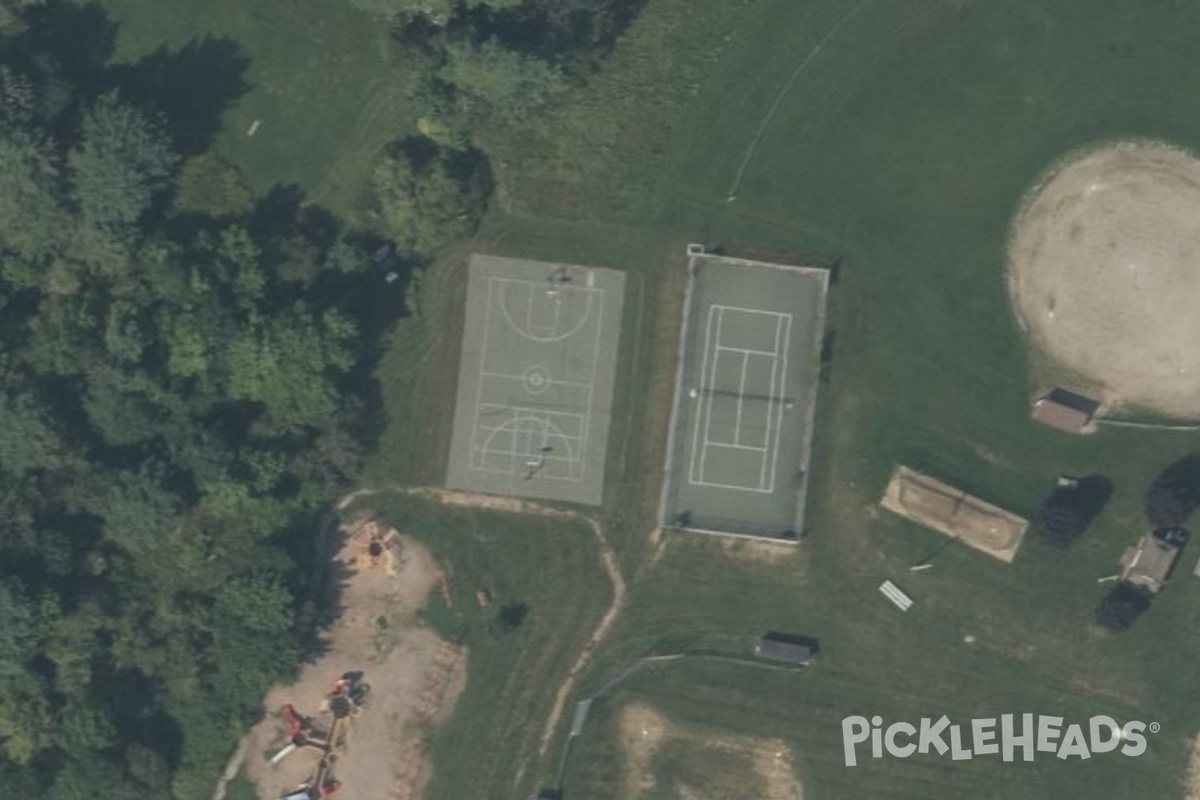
608, 560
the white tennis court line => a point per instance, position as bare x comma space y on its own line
737, 428
748, 351
704, 406
751, 311
703, 442
785, 321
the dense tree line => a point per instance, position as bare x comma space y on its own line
185, 372
503, 58
484, 63
182, 390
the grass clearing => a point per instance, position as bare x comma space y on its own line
518, 649
903, 149
323, 84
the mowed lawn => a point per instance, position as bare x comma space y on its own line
903, 149
321, 79
519, 648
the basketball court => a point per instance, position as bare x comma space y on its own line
536, 379
745, 397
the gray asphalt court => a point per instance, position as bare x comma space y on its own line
536, 379
741, 429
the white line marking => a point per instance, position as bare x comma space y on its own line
702, 437
762, 129
749, 351
549, 381
589, 421
737, 427
699, 411
786, 323
709, 404
478, 409
534, 286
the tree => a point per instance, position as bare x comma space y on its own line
507, 83
122, 160
438, 11
429, 196
139, 513
19, 635
32, 221
178, 397
1121, 607
28, 440
1174, 494
288, 365
1068, 511
512, 615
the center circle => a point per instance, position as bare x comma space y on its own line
1104, 273
536, 379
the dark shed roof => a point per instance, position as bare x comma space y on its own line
782, 647
1065, 410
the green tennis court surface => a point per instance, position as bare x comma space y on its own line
536, 379
742, 425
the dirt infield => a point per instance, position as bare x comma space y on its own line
1104, 270
947, 510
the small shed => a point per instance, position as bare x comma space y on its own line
787, 648
1155, 557
1065, 410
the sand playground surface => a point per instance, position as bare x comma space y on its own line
1104, 273
414, 677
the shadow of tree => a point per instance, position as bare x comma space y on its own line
1175, 494
1069, 510
69, 44
77, 40
192, 87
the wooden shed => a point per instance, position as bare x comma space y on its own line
1065, 410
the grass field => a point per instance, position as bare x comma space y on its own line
320, 78
904, 149
901, 147
511, 673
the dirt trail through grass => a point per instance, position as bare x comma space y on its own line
608, 560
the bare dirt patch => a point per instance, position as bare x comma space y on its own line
1104, 270
415, 676
644, 732
1191, 785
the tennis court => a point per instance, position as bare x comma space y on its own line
536, 379
745, 397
